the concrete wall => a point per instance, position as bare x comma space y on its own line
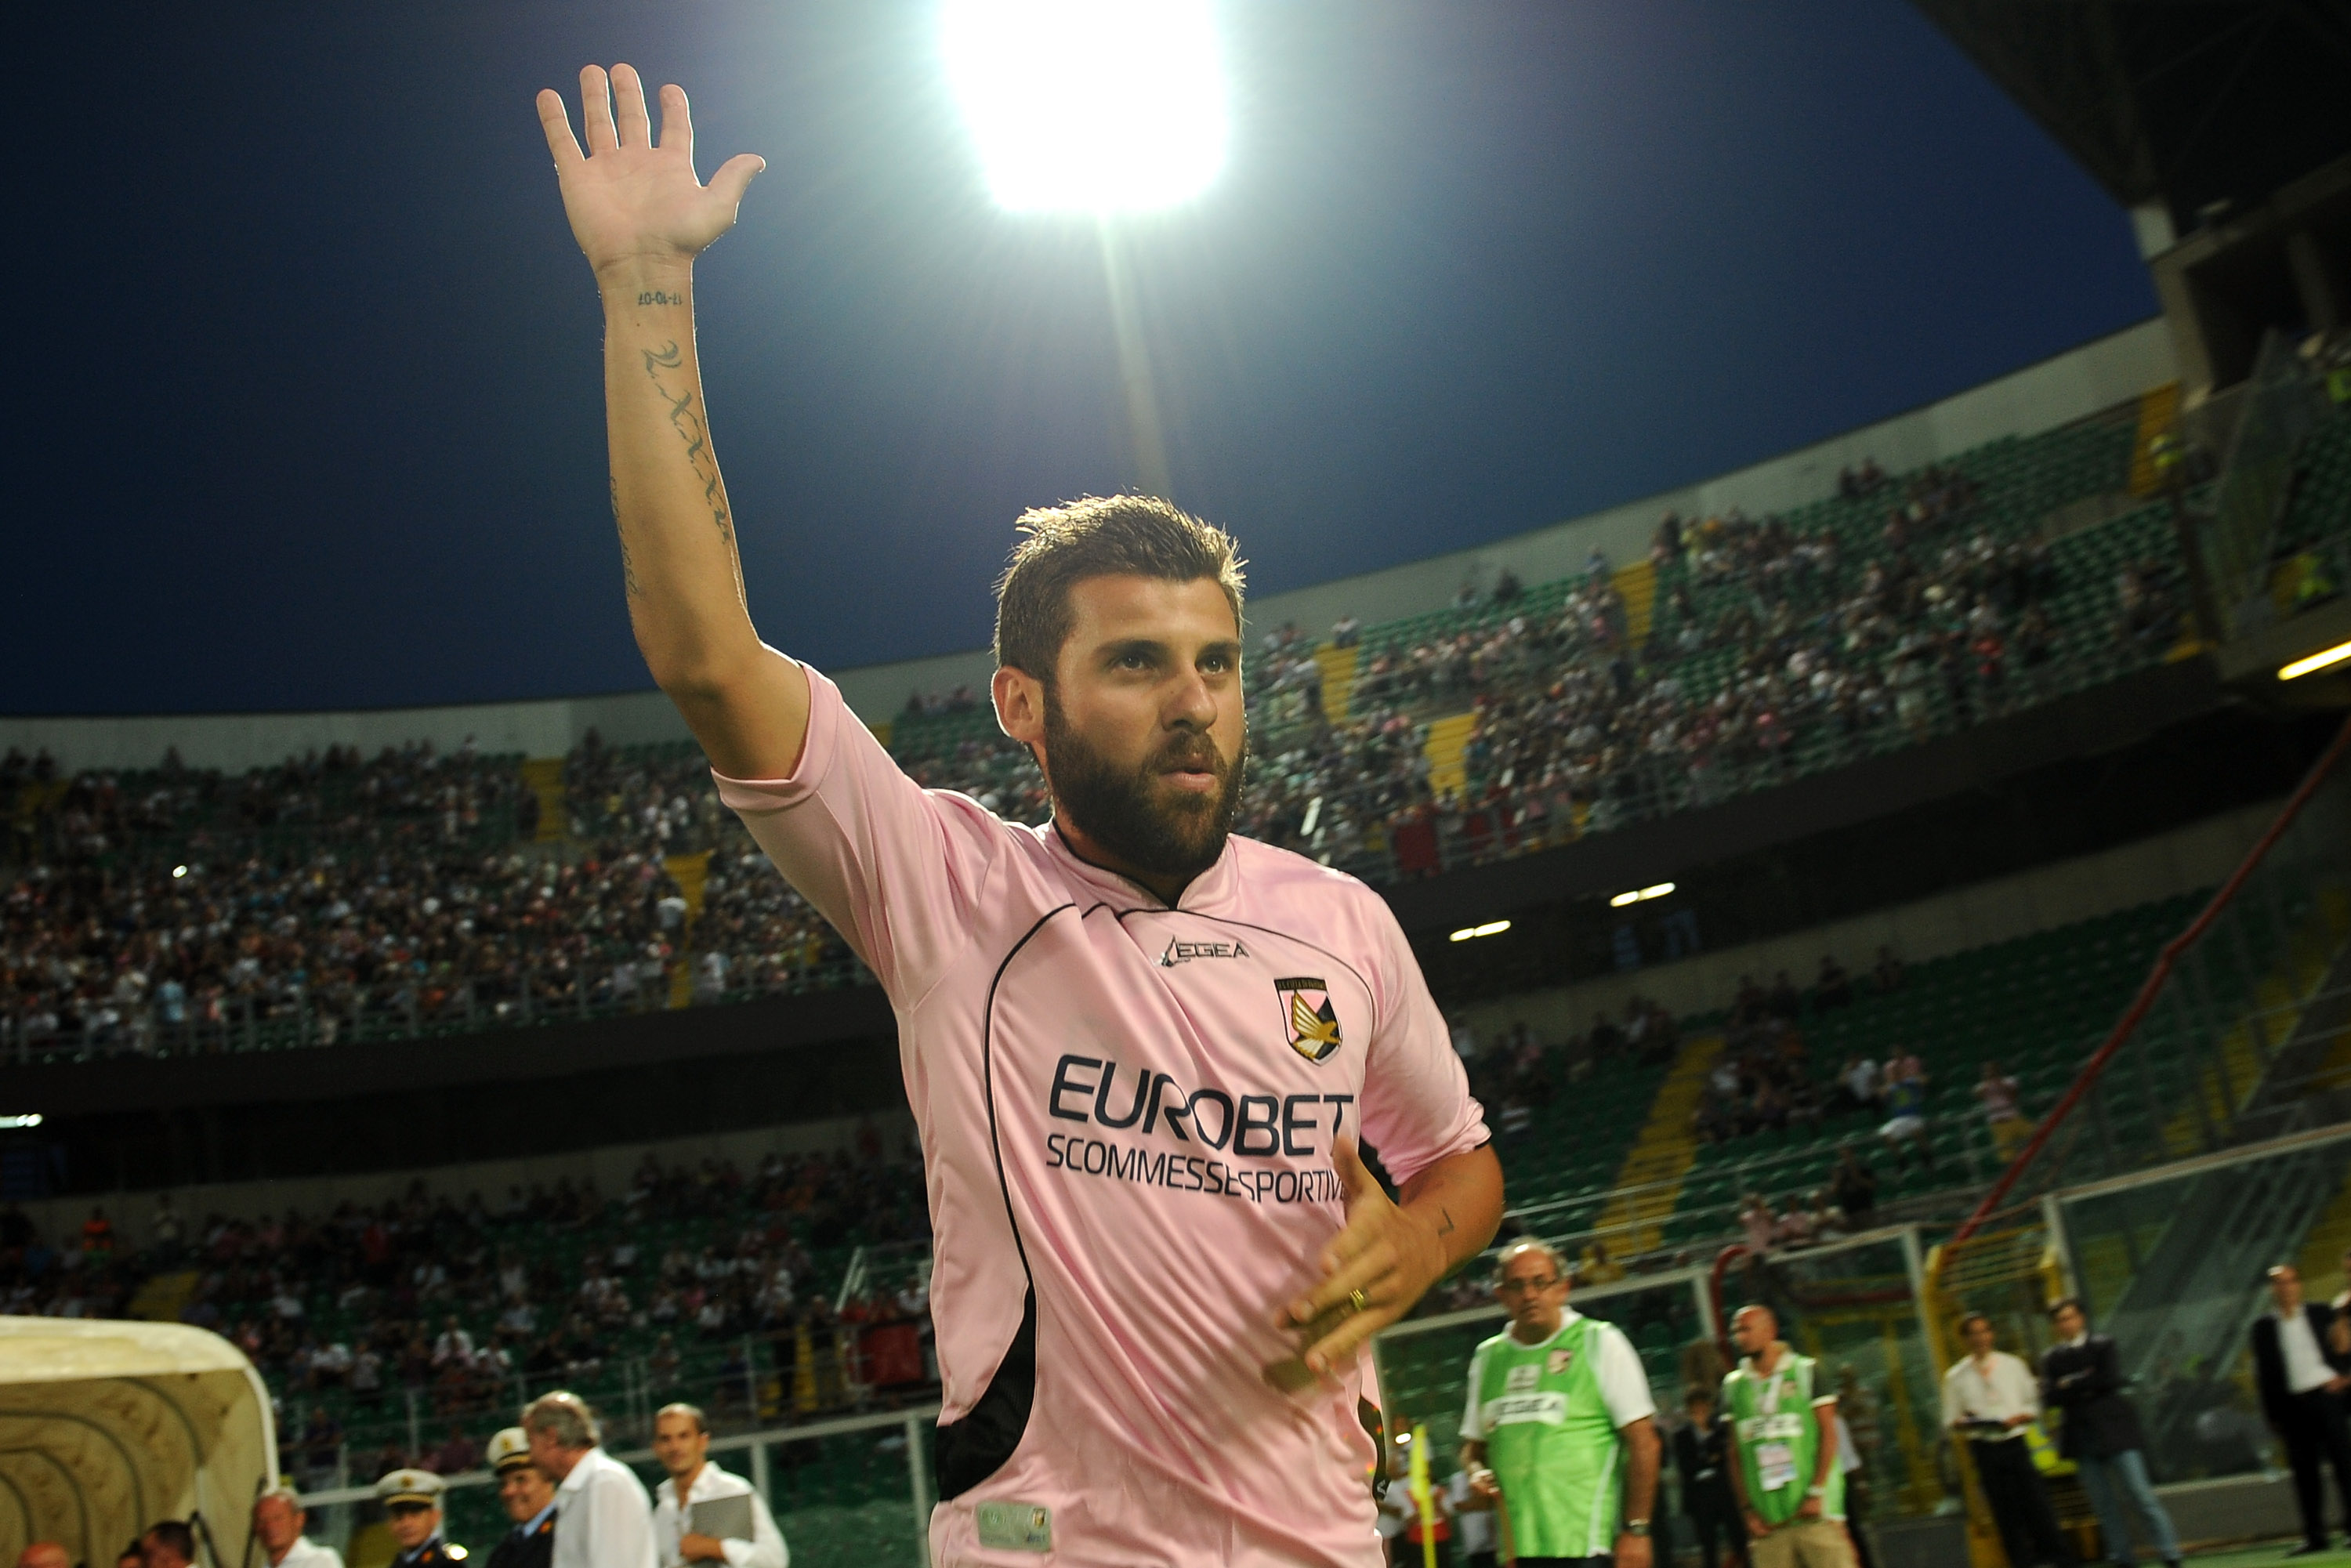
611, 1168
2073, 385
2184, 860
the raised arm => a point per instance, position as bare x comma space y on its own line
641, 217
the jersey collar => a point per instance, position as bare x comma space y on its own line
1210, 891
1568, 1318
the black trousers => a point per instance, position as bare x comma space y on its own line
2315, 1433
1713, 1525
2020, 1504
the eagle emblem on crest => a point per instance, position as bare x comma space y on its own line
1310, 1022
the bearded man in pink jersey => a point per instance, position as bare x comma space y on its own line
1140, 1050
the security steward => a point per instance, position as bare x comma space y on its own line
530, 1500
412, 1511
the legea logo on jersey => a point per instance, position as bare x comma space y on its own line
1307, 1014
1180, 952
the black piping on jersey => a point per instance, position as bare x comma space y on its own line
976, 1446
1271, 931
1252, 925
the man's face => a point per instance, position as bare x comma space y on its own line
1142, 725
680, 1444
524, 1491
554, 1460
411, 1523
1532, 1290
1979, 1337
2285, 1288
1752, 1330
278, 1523
2069, 1322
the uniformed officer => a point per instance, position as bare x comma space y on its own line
529, 1499
412, 1510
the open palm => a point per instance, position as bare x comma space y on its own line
634, 203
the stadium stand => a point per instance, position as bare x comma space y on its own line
337, 899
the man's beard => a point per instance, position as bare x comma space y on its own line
1134, 816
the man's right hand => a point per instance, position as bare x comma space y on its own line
1755, 1525
1482, 1484
636, 207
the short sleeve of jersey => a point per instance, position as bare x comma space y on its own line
1623, 1381
1417, 1107
1473, 1419
896, 868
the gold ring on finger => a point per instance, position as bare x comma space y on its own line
1357, 1301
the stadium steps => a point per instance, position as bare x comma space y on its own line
1649, 1184
1447, 739
2231, 1082
2321, 1257
2158, 408
543, 777
1637, 585
692, 874
164, 1297
1338, 666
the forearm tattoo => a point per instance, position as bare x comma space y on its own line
629, 582
687, 421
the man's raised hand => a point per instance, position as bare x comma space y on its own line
635, 206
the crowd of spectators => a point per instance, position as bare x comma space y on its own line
461, 1306
335, 893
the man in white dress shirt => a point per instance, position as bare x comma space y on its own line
682, 1444
278, 1521
1989, 1399
603, 1516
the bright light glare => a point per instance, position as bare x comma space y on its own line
2324, 659
1089, 104
178, 871
1492, 928
1654, 890
31, 1119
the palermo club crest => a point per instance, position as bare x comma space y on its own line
1309, 1021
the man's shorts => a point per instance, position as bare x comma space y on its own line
1805, 1544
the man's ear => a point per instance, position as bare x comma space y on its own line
1019, 705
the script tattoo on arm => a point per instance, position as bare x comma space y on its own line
629, 582
687, 421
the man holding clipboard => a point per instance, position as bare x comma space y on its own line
702, 1513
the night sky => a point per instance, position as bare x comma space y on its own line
307, 408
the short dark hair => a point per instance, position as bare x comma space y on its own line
1967, 1318
2062, 1303
1098, 536
174, 1534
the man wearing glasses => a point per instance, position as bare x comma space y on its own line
1560, 1418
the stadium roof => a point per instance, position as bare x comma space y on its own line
2194, 101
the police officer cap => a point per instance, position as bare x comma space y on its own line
509, 1450
411, 1486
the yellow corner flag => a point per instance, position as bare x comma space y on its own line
1421, 1499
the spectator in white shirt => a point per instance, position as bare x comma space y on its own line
603, 1516
682, 1444
1989, 1397
278, 1522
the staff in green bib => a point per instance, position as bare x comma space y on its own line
1783, 1427
1560, 1421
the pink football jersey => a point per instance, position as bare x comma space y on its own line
1126, 1114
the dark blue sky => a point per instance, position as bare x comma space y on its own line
306, 365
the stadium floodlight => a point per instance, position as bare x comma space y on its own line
30, 1119
178, 871
1640, 895
2324, 659
1492, 928
1098, 105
